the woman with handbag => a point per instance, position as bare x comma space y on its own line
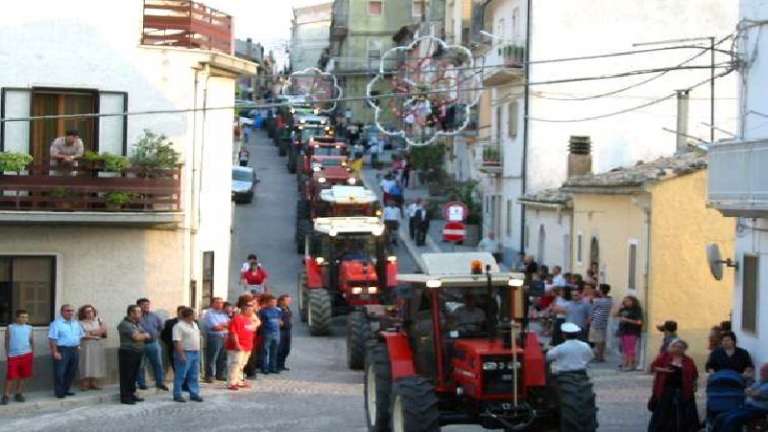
92, 362
673, 402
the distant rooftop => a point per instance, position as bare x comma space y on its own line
547, 196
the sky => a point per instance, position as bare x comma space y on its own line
265, 21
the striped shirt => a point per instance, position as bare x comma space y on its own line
601, 310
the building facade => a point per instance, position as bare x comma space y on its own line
310, 31
59, 244
738, 186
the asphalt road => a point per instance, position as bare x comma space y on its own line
319, 393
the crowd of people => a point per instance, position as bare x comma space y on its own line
575, 311
232, 341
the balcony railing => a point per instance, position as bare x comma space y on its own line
87, 188
188, 24
738, 179
340, 20
490, 158
504, 63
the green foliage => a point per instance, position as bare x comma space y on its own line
427, 158
466, 192
154, 151
92, 156
491, 154
119, 198
62, 192
115, 163
14, 162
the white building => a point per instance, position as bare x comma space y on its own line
548, 227
310, 35
171, 243
738, 184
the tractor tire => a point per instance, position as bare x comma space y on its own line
319, 312
414, 406
578, 411
301, 289
358, 333
302, 209
303, 229
378, 386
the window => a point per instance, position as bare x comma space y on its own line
749, 295
417, 6
512, 113
510, 207
208, 273
579, 247
375, 7
27, 282
632, 265
103, 134
374, 49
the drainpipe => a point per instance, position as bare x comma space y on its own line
526, 98
646, 280
193, 223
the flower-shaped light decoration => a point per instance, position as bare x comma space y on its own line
319, 89
424, 90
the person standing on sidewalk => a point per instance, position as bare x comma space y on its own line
286, 325
167, 335
215, 324
270, 316
92, 360
392, 216
64, 336
152, 324
132, 338
186, 341
240, 342
413, 222
19, 347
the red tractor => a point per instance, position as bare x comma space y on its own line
323, 146
346, 266
455, 350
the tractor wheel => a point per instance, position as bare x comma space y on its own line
301, 289
578, 412
319, 312
302, 209
358, 333
378, 385
414, 406
303, 229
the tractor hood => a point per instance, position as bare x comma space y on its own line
362, 272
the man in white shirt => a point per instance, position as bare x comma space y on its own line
557, 276
412, 211
392, 216
186, 340
572, 355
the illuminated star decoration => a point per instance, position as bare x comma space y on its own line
319, 89
424, 90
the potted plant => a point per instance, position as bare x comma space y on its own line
14, 161
116, 200
64, 197
428, 162
154, 152
115, 163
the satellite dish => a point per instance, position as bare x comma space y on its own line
716, 261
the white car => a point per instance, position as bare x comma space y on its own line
243, 183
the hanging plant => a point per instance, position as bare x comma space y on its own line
14, 161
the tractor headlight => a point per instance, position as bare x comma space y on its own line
434, 283
491, 366
321, 180
516, 283
316, 168
352, 181
392, 258
357, 290
373, 290
377, 231
378, 213
320, 260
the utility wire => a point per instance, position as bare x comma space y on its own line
357, 98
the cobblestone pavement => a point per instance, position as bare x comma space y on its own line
319, 393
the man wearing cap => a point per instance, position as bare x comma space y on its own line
669, 328
573, 355
66, 150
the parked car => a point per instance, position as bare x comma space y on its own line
243, 183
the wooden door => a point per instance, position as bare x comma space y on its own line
56, 102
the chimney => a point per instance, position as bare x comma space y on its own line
681, 143
579, 155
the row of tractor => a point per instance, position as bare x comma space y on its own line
447, 346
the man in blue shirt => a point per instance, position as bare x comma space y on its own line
756, 406
152, 324
270, 316
215, 324
64, 335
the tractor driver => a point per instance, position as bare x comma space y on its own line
468, 317
354, 250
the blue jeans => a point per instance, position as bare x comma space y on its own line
187, 374
215, 356
269, 352
153, 355
733, 421
64, 370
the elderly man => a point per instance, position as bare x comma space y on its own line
66, 150
132, 338
64, 335
215, 323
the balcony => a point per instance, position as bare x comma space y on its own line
491, 159
87, 194
738, 178
187, 24
504, 64
340, 20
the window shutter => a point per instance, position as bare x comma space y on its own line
14, 136
512, 112
112, 129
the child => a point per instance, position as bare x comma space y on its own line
284, 348
20, 349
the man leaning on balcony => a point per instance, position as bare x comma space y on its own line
65, 151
